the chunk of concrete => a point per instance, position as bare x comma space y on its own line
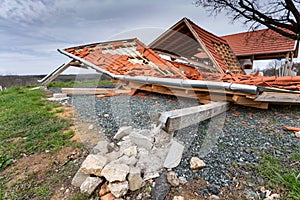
130, 161
118, 189
93, 164
196, 164
115, 172
174, 155
173, 179
101, 147
90, 184
134, 179
150, 175
79, 178
123, 131
114, 155
141, 141
130, 151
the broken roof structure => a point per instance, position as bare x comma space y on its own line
186, 59
186, 39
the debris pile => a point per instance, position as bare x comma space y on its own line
285, 82
138, 157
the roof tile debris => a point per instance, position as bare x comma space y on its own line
126, 57
286, 82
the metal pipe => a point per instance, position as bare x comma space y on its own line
251, 89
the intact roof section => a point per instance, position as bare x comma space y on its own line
125, 57
201, 44
258, 42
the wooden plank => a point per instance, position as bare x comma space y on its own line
181, 118
241, 100
278, 97
74, 91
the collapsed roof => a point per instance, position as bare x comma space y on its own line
185, 51
186, 39
124, 57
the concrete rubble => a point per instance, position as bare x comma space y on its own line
196, 164
134, 157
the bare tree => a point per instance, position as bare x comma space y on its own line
281, 16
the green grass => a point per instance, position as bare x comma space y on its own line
88, 83
28, 125
278, 174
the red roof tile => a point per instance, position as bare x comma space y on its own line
259, 42
126, 57
218, 49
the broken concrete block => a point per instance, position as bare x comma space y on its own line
124, 144
150, 175
101, 147
144, 132
90, 184
130, 161
130, 151
112, 156
174, 155
115, 172
141, 141
135, 180
172, 178
118, 189
79, 178
123, 131
196, 164
93, 164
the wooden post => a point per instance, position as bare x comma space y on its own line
181, 118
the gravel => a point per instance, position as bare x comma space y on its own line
235, 138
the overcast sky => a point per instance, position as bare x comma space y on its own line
32, 30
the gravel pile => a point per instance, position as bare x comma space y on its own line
235, 138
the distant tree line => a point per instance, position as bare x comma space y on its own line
277, 68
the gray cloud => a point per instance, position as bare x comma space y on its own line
32, 30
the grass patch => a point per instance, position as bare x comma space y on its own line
28, 125
278, 174
77, 83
